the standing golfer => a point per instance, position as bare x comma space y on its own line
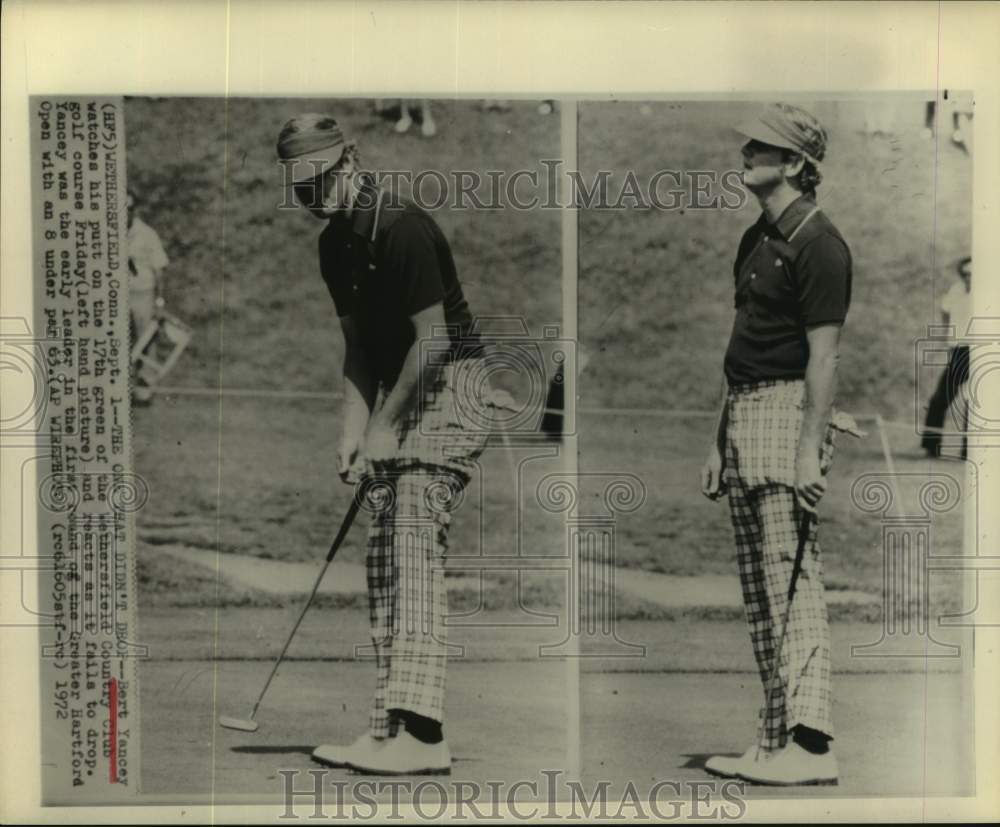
393, 282
774, 441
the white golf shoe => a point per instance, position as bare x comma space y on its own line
340, 755
793, 766
403, 755
732, 766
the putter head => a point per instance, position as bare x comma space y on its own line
242, 724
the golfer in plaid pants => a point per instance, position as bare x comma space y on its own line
410, 368
775, 438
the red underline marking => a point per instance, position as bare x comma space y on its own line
113, 729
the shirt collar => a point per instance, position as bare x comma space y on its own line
366, 206
795, 213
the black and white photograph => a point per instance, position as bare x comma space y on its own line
360, 350
790, 263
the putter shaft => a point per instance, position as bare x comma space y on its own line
776, 663
345, 526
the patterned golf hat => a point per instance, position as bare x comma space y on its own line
788, 127
309, 145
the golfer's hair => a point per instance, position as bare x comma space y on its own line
300, 129
809, 176
351, 153
310, 122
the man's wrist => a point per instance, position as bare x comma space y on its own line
808, 451
811, 435
382, 419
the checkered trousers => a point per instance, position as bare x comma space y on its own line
762, 436
416, 494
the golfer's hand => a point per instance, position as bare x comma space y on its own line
349, 460
381, 441
712, 484
810, 484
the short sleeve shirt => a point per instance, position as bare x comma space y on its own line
789, 276
146, 256
384, 264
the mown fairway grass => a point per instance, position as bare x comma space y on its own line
246, 479
678, 531
655, 287
245, 274
258, 477
655, 310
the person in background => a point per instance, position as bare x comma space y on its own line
961, 121
773, 445
428, 128
146, 262
956, 310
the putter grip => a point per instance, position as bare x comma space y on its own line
345, 526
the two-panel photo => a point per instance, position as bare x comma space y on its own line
548, 450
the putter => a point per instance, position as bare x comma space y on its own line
775, 666
250, 724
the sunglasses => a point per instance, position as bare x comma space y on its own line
309, 193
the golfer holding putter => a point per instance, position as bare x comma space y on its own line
774, 441
393, 282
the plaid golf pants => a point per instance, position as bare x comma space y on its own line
762, 435
414, 496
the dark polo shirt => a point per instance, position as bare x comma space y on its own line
384, 264
790, 276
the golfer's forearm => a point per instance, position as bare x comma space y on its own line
416, 368
821, 386
359, 395
720, 422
